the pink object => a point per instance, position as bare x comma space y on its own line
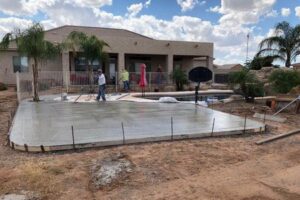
143, 80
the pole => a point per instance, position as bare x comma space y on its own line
196, 92
213, 126
73, 140
247, 51
116, 82
245, 121
18, 86
172, 134
123, 132
150, 81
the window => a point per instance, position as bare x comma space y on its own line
20, 64
81, 64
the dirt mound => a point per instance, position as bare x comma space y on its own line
295, 90
110, 170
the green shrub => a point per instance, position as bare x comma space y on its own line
247, 84
283, 81
180, 78
259, 62
3, 86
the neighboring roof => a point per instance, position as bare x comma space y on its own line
104, 31
112, 32
296, 65
124, 41
228, 66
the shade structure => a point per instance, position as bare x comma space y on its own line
143, 80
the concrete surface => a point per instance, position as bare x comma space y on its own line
48, 123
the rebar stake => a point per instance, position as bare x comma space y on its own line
245, 121
73, 139
213, 126
123, 132
172, 137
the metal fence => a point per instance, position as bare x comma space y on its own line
49, 82
54, 82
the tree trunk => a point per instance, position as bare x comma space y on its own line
91, 79
35, 80
288, 60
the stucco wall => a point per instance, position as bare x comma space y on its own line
7, 74
121, 42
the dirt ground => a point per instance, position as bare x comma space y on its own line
211, 168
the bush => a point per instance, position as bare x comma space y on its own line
180, 78
283, 81
3, 86
259, 62
247, 84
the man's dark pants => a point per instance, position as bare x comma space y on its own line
101, 93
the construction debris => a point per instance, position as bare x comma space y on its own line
276, 137
110, 170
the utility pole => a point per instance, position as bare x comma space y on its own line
247, 51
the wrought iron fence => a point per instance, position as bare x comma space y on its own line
54, 82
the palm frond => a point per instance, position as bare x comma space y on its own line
283, 27
6, 40
271, 42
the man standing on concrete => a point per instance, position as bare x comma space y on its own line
125, 79
101, 83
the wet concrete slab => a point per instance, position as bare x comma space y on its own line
49, 123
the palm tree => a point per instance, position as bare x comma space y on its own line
180, 78
90, 46
285, 45
31, 43
247, 84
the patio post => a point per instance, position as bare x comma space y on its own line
66, 69
18, 86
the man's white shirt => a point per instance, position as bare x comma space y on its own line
101, 80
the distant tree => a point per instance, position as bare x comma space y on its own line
283, 81
285, 45
247, 84
259, 62
91, 47
31, 43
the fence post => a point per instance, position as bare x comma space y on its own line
172, 133
123, 132
18, 86
245, 121
265, 116
150, 81
116, 82
213, 127
73, 140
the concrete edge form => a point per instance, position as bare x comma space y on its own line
134, 141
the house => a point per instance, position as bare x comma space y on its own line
296, 66
221, 71
126, 50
